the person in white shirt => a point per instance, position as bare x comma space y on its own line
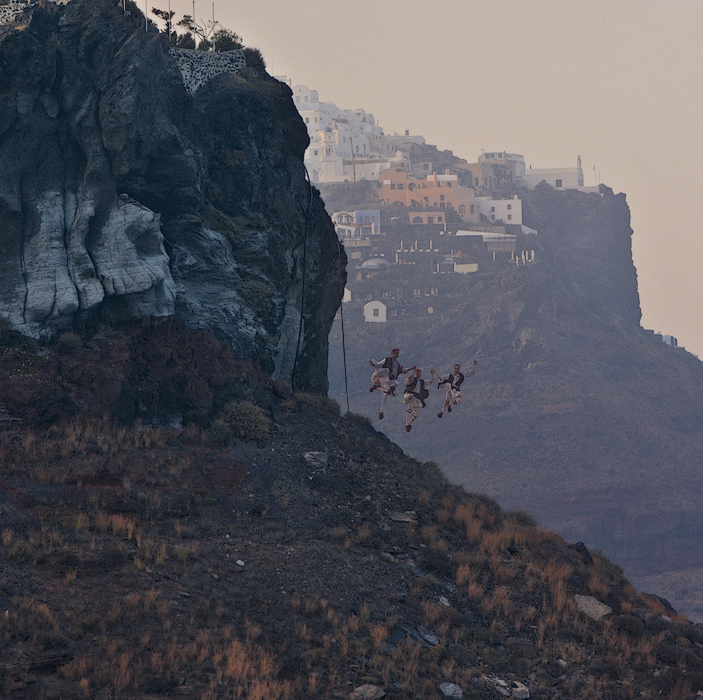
451, 383
385, 377
414, 397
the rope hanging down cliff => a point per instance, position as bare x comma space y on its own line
302, 293
302, 300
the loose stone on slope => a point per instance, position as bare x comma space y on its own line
428, 636
450, 690
409, 516
591, 607
367, 692
319, 460
520, 691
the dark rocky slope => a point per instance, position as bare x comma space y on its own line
310, 560
123, 197
576, 414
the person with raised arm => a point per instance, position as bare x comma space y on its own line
385, 377
451, 383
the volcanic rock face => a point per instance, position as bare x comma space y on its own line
122, 196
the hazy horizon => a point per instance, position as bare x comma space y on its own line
552, 80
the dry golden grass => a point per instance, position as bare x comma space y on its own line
514, 593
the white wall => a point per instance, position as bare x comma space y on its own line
561, 179
509, 211
375, 312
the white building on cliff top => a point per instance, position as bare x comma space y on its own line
347, 144
558, 178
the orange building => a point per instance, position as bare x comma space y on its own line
434, 193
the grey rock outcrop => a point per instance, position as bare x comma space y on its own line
123, 196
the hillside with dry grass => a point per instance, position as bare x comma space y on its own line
280, 550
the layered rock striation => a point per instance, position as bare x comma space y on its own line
124, 194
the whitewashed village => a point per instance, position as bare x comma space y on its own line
445, 222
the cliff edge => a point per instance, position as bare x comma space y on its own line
123, 196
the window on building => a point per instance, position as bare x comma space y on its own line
306, 99
392, 185
510, 206
375, 312
449, 184
307, 120
400, 185
315, 152
439, 219
472, 209
430, 219
558, 183
462, 209
441, 197
510, 216
493, 210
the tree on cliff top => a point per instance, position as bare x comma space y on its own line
205, 34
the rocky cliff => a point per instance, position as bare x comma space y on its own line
124, 196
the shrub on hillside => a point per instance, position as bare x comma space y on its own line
241, 420
323, 403
254, 58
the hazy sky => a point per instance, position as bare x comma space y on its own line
617, 82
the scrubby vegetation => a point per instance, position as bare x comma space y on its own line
143, 561
242, 420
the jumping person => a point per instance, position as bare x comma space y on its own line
452, 385
414, 398
385, 377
